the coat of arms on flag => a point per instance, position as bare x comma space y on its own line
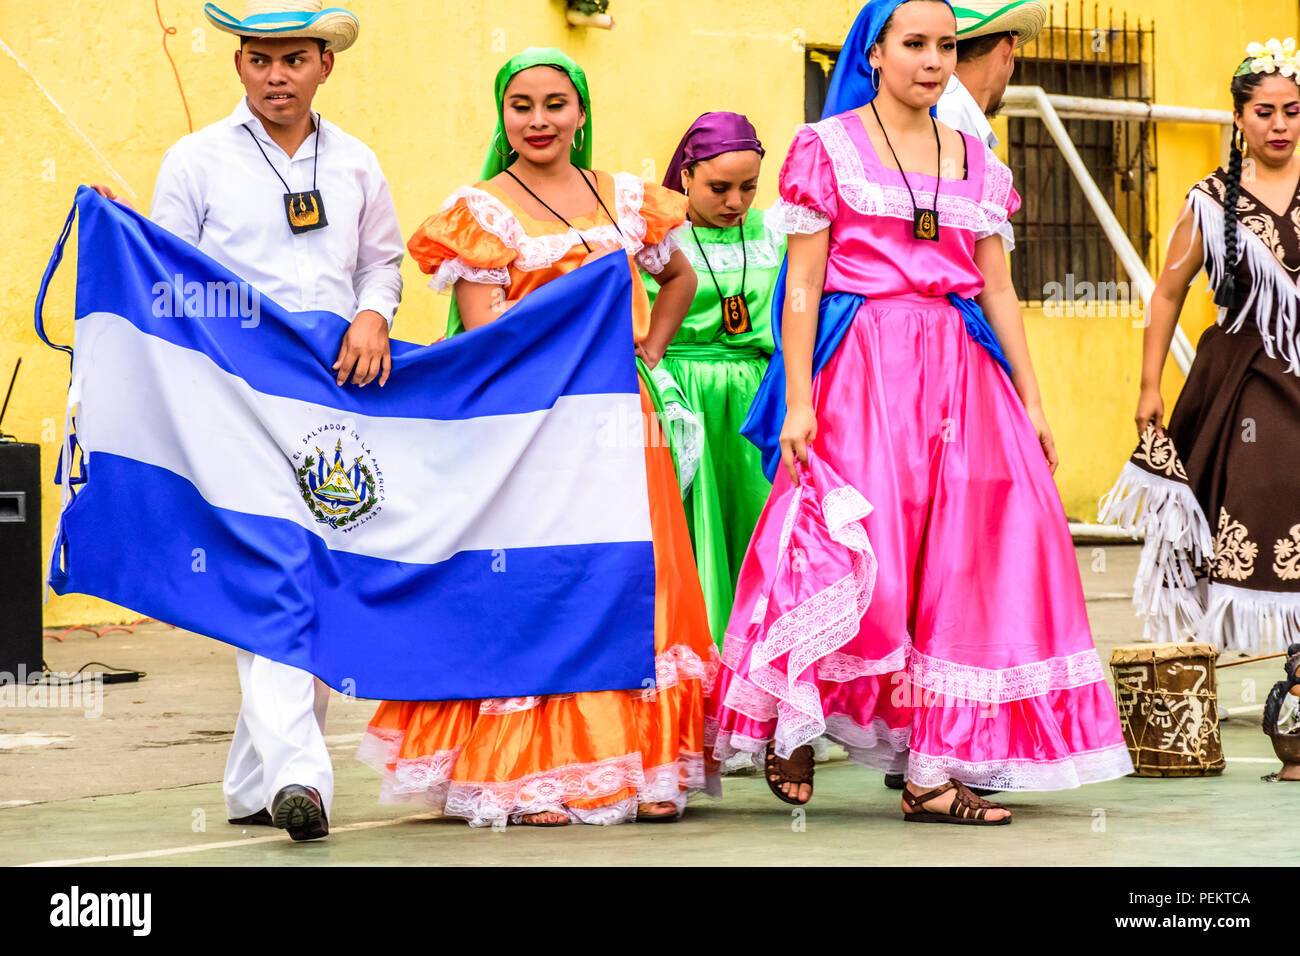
338, 492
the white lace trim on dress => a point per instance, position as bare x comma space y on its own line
654, 258
840, 668
484, 803
1003, 685
497, 706
764, 253
455, 269
791, 219
871, 198
673, 666
687, 431
680, 663
1093, 766
997, 192
812, 630
876, 745
541, 252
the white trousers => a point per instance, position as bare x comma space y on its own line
279, 737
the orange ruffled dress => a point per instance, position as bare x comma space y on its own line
592, 755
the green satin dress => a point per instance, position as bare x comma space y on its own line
718, 374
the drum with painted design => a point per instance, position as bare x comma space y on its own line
1169, 708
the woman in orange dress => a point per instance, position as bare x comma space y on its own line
608, 756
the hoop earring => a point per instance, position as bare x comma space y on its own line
495, 141
875, 78
576, 145
1238, 140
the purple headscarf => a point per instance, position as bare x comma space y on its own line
711, 135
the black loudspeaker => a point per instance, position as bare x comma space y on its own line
20, 560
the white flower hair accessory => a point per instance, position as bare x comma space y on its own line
1275, 56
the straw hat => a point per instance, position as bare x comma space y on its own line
977, 18
289, 18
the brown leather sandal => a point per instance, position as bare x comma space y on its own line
664, 816
966, 808
798, 769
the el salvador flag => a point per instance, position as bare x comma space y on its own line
479, 527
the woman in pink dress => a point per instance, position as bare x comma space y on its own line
911, 590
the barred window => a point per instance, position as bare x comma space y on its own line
1058, 237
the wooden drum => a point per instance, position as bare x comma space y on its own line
1169, 708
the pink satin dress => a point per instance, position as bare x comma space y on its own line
916, 598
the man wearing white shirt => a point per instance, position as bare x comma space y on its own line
988, 32
302, 212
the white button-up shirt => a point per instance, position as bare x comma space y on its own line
958, 109
217, 191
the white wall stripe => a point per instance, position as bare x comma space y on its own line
75, 128
279, 837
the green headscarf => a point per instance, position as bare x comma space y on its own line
537, 56
495, 163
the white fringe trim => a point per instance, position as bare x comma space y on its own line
1178, 540
1239, 619
1273, 293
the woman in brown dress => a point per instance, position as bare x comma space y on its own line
1217, 493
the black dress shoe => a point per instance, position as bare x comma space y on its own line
262, 818
298, 809
897, 781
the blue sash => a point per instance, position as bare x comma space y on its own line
834, 316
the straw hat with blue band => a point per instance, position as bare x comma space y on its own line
289, 18
977, 18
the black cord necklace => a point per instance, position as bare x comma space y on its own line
588, 184
305, 211
925, 222
735, 310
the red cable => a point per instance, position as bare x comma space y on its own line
171, 31
128, 628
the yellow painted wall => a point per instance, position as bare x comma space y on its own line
1090, 367
87, 94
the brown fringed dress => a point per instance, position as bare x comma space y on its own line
1218, 494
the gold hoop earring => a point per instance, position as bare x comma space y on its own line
577, 147
495, 146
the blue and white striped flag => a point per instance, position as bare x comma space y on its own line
479, 527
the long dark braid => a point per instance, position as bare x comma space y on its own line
1243, 87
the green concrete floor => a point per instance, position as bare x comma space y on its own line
139, 784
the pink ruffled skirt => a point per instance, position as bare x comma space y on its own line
916, 598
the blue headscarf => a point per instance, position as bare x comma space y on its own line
851, 85
850, 88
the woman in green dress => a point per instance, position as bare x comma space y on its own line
721, 352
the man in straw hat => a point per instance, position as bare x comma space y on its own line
988, 32
302, 212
